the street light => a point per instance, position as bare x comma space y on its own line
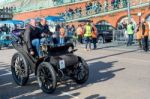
139, 14
129, 15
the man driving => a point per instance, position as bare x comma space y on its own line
32, 37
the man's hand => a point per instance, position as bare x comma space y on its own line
32, 52
43, 34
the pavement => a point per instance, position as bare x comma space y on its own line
115, 73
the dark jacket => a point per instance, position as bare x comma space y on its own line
30, 34
44, 29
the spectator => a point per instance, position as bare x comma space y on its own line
5, 29
113, 3
79, 33
90, 7
72, 1
87, 8
71, 13
62, 35
99, 6
116, 4
94, 36
139, 34
67, 14
77, 11
56, 34
145, 35
45, 32
70, 33
80, 11
94, 6
124, 3
106, 5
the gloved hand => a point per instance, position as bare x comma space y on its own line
43, 34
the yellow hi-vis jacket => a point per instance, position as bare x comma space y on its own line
88, 31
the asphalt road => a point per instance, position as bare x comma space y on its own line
114, 74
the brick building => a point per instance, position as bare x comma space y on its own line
38, 8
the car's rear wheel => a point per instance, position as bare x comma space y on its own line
81, 71
46, 77
20, 69
109, 40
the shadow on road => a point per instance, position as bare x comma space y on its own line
96, 96
99, 72
117, 54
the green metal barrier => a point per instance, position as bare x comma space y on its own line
84, 15
43, 5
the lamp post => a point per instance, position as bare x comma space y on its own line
139, 14
129, 15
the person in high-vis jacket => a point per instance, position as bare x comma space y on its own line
130, 31
88, 35
145, 35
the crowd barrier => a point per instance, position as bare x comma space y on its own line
121, 37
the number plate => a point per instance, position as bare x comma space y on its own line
61, 64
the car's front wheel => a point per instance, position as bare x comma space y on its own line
46, 77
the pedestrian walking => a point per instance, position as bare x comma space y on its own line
88, 35
130, 31
94, 36
145, 35
139, 35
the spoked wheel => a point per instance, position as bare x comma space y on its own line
20, 69
81, 71
46, 77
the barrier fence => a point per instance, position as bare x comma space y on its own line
121, 37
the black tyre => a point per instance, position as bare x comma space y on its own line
101, 40
81, 72
109, 40
46, 77
20, 69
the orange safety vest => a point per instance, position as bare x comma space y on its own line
94, 33
79, 31
62, 32
139, 33
146, 29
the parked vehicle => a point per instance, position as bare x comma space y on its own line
9, 25
5, 40
104, 33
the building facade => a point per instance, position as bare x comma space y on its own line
112, 13
6, 13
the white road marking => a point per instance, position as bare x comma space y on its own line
5, 84
27, 94
6, 74
66, 93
